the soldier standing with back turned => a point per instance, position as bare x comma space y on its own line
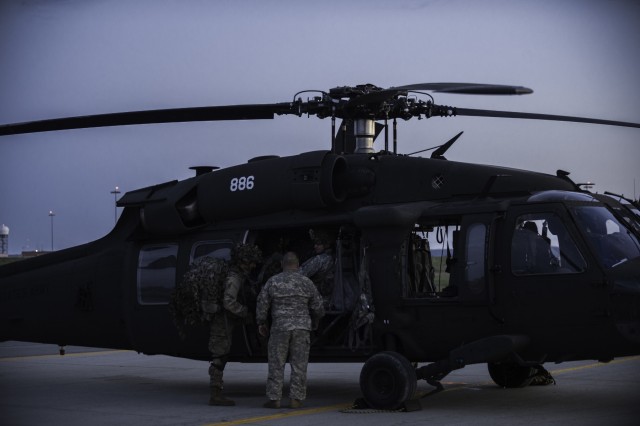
296, 308
244, 258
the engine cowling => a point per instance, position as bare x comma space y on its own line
306, 181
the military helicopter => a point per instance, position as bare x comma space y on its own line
439, 263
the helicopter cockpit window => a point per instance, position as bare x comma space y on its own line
541, 244
611, 240
156, 273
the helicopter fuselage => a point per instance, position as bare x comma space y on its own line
431, 256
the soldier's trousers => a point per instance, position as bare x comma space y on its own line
219, 346
220, 335
294, 343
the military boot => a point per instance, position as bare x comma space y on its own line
217, 398
272, 403
216, 384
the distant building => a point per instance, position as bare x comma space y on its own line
33, 253
4, 241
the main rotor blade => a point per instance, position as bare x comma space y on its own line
468, 88
173, 115
533, 116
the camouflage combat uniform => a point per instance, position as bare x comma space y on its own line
222, 325
320, 270
296, 308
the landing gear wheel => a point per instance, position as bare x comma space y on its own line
511, 375
387, 380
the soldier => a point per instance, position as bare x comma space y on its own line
319, 268
296, 308
244, 258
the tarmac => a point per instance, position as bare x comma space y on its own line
108, 387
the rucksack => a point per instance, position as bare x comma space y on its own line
201, 286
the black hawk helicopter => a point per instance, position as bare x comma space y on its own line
436, 262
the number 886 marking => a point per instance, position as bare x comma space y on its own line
242, 183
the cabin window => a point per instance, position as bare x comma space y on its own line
541, 244
475, 248
215, 249
156, 273
446, 259
428, 258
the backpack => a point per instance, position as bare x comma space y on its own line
199, 292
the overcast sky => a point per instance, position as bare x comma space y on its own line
77, 57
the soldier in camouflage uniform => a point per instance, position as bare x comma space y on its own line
320, 267
244, 258
296, 308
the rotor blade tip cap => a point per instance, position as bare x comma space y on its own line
523, 91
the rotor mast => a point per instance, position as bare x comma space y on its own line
364, 132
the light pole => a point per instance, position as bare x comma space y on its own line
115, 193
51, 215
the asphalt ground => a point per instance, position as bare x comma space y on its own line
106, 387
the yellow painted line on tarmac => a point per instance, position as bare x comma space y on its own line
453, 386
282, 415
71, 355
595, 364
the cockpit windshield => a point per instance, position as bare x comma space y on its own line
612, 241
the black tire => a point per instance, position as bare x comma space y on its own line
511, 375
387, 380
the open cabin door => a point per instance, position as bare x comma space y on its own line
345, 330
